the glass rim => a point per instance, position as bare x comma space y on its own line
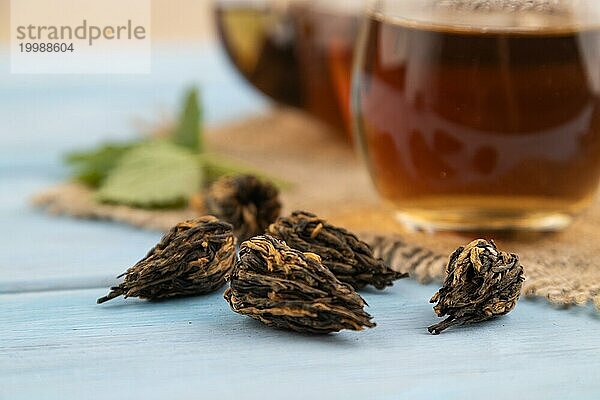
572, 15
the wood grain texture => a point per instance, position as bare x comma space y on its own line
42, 118
59, 345
42, 252
62, 346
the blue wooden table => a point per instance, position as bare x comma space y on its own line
56, 343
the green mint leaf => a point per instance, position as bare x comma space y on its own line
91, 167
189, 129
155, 175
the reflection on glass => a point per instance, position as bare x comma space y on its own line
299, 53
477, 118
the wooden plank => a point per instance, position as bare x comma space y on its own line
41, 118
42, 252
61, 345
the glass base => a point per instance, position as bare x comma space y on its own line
493, 220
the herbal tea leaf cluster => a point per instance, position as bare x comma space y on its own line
349, 258
193, 258
482, 282
287, 289
154, 172
281, 286
288, 285
246, 202
285, 281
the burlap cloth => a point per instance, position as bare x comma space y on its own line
329, 180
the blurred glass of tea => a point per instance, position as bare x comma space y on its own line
297, 52
481, 115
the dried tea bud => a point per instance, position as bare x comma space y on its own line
194, 258
244, 201
350, 259
482, 283
287, 289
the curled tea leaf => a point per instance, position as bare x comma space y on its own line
350, 259
244, 201
482, 283
287, 289
194, 258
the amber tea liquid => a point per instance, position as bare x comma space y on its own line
261, 43
469, 128
300, 55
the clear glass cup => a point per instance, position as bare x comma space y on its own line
297, 52
483, 114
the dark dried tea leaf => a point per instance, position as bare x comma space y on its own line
482, 283
246, 202
350, 259
287, 289
194, 258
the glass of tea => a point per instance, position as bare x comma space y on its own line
297, 52
481, 114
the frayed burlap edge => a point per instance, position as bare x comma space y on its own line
563, 278
75, 200
563, 268
560, 288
